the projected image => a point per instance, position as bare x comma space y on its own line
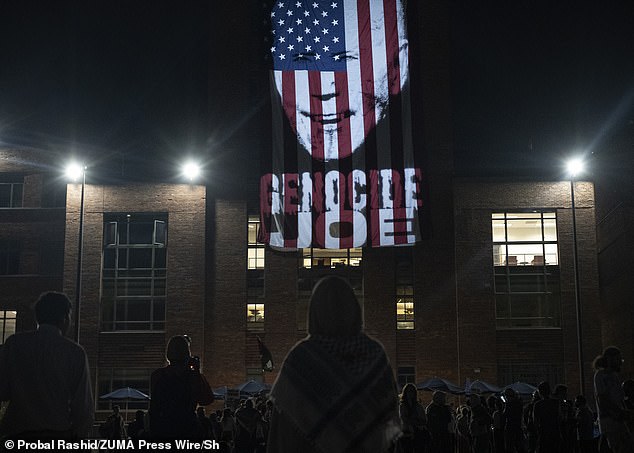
336, 64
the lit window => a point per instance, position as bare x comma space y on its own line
255, 313
255, 250
134, 272
11, 195
525, 259
7, 324
331, 258
405, 307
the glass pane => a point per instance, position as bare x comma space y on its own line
523, 255
551, 257
499, 255
159, 287
550, 230
158, 311
160, 232
122, 259
526, 283
549, 215
524, 230
523, 215
140, 258
141, 233
252, 233
502, 306
498, 231
501, 283
497, 215
9, 327
17, 195
160, 257
109, 258
138, 310
5, 195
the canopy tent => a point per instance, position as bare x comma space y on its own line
522, 388
478, 386
440, 384
125, 394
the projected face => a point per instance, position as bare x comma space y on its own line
336, 66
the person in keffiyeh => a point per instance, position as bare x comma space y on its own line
336, 390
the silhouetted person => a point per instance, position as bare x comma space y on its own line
115, 427
206, 429
513, 411
546, 418
610, 401
479, 425
567, 421
438, 420
44, 376
336, 390
136, 428
176, 390
247, 419
529, 422
584, 426
413, 421
628, 401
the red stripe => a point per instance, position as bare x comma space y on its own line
343, 105
319, 216
288, 97
396, 125
369, 121
316, 130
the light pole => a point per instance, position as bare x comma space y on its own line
74, 172
575, 166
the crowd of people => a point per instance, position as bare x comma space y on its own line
335, 392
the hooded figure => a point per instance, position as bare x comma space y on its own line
336, 390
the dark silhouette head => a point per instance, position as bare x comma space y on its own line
53, 308
409, 394
334, 310
178, 349
610, 359
544, 389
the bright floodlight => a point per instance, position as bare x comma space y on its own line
191, 170
575, 167
74, 171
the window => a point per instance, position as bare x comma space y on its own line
330, 258
526, 260
404, 307
11, 195
111, 379
510, 371
134, 272
7, 324
9, 257
255, 250
405, 375
255, 313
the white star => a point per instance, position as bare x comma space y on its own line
289, 13
282, 39
333, 5
272, 13
336, 57
325, 31
291, 47
300, 55
298, 4
282, 56
307, 30
317, 39
280, 5
300, 39
280, 22
326, 49
273, 49
324, 13
315, 5
298, 21
317, 57
309, 48
290, 30
335, 23
315, 22
306, 14
335, 39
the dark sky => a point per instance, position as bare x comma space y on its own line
533, 80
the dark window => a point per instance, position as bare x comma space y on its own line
405, 375
134, 272
11, 195
9, 257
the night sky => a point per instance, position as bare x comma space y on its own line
533, 80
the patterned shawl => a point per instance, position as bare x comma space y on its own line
340, 393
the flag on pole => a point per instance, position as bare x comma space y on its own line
266, 359
343, 172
